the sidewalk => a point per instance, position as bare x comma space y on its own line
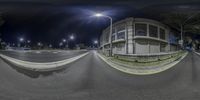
142, 68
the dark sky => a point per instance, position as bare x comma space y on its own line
49, 21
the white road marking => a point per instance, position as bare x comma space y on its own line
41, 66
38, 52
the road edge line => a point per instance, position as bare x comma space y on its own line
41, 66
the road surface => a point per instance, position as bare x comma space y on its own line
42, 56
89, 78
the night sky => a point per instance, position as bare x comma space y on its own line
49, 21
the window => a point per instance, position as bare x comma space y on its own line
140, 29
162, 34
113, 37
173, 38
121, 35
153, 31
120, 28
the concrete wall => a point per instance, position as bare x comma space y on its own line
138, 44
141, 47
154, 47
119, 48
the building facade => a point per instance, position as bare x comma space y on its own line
139, 36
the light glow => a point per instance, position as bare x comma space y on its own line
21, 39
71, 37
98, 15
95, 42
64, 40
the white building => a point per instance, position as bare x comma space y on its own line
139, 36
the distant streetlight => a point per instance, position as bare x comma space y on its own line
28, 41
60, 44
39, 44
21, 39
101, 15
50, 46
95, 42
64, 40
71, 37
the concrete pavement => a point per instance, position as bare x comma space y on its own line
42, 56
90, 78
142, 70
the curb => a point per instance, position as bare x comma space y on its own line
41, 66
139, 71
197, 53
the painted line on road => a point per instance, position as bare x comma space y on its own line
47, 66
141, 72
38, 52
197, 53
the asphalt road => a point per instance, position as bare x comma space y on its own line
90, 78
42, 56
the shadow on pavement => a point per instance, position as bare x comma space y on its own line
34, 74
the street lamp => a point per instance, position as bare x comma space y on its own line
102, 15
60, 44
21, 39
95, 42
50, 46
71, 37
64, 40
98, 15
28, 41
39, 44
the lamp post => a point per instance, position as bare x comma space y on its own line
64, 40
110, 36
96, 43
39, 44
28, 43
21, 40
71, 37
